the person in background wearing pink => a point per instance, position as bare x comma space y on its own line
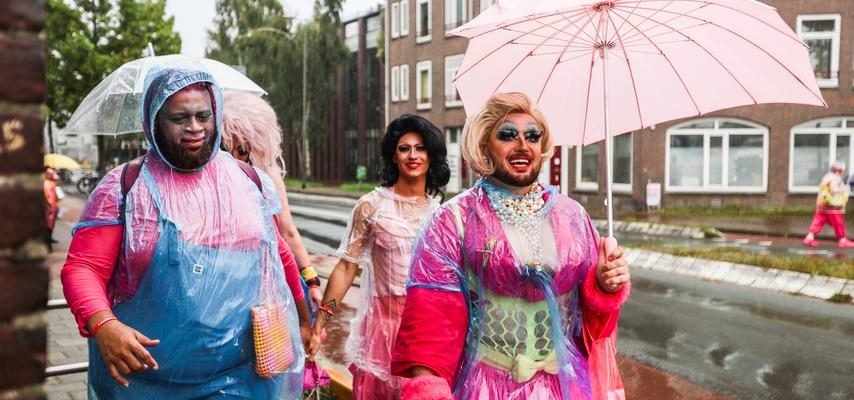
830, 207
252, 134
162, 276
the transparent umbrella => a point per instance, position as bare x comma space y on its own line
113, 107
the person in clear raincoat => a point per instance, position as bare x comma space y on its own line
510, 295
162, 280
379, 242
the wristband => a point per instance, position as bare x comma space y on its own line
102, 323
308, 273
313, 282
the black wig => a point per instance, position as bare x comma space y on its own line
438, 172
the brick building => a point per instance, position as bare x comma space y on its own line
23, 274
768, 155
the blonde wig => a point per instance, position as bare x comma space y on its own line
249, 121
480, 128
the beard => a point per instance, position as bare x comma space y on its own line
179, 156
506, 177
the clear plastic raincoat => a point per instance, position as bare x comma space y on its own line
195, 248
379, 239
494, 325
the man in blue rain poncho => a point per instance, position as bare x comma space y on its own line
162, 275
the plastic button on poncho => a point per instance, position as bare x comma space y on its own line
196, 246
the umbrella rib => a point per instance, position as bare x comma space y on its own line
632, 12
592, 39
629, 38
784, 33
673, 67
461, 73
518, 63
521, 20
760, 48
629, 65
557, 60
589, 84
640, 41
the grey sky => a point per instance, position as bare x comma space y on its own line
194, 17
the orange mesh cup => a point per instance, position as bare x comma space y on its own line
273, 347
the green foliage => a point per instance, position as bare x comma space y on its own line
258, 35
88, 39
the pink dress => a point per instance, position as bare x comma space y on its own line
379, 239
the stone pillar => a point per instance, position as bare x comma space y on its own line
23, 273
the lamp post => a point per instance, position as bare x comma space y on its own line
305, 156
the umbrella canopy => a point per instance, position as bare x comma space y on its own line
59, 161
601, 68
666, 59
113, 107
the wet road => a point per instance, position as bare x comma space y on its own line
742, 342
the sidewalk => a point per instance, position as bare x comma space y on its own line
796, 283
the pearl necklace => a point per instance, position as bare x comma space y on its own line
526, 212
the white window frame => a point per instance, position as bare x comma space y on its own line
707, 133
586, 186
484, 4
449, 80
452, 18
395, 83
429, 36
404, 18
404, 82
802, 129
834, 48
395, 20
426, 65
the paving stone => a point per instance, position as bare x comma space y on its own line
765, 280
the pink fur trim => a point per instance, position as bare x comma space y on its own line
599, 301
426, 387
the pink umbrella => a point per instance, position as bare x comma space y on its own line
603, 68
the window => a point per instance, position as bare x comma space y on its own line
814, 146
821, 34
404, 17
717, 155
452, 65
404, 82
587, 166
423, 20
395, 20
424, 85
351, 35
395, 83
372, 32
622, 158
456, 13
484, 4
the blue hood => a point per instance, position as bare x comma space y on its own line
160, 84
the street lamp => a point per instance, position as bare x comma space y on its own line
306, 156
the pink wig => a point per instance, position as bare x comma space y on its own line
249, 121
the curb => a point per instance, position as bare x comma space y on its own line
795, 283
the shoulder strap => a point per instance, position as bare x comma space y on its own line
251, 173
129, 174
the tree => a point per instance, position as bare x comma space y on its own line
88, 39
258, 35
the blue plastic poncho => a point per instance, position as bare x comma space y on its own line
199, 251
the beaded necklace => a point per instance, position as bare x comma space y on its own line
526, 212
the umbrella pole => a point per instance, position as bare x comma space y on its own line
608, 146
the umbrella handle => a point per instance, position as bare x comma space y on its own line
610, 245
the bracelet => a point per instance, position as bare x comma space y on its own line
102, 323
313, 282
308, 273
